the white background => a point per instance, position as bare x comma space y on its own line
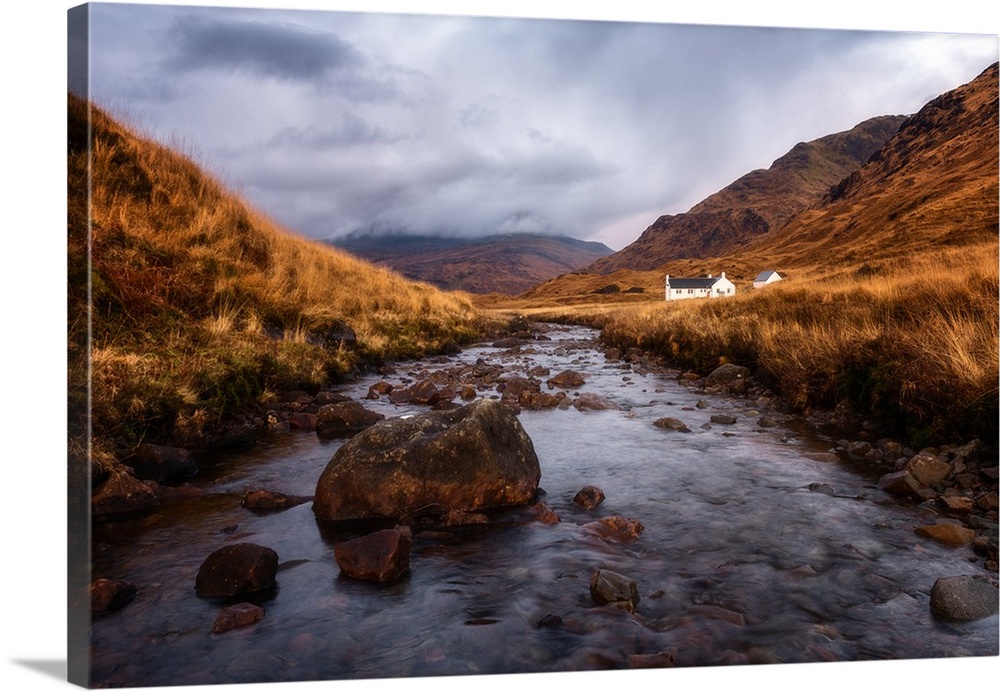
33, 425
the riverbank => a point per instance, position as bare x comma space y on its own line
954, 485
747, 540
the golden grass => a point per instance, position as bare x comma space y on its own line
915, 340
197, 301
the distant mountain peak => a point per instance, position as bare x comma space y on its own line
503, 263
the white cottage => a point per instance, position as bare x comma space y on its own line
706, 287
765, 278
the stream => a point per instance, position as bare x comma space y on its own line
741, 561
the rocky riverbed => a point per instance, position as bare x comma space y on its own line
680, 519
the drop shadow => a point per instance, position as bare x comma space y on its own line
57, 669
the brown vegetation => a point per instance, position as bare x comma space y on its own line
190, 305
916, 342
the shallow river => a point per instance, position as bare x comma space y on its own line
740, 561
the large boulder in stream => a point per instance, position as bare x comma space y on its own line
476, 457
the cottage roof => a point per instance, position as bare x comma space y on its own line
764, 275
707, 282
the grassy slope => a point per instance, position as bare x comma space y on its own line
201, 306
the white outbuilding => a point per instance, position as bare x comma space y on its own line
703, 287
766, 278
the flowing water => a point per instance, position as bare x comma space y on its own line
740, 561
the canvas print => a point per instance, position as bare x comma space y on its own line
416, 345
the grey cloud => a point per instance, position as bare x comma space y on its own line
279, 51
332, 122
351, 132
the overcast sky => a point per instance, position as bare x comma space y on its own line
333, 122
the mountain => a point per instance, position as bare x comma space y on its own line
932, 187
931, 192
755, 204
506, 264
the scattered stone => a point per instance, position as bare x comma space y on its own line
237, 570
237, 616
948, 533
302, 420
723, 419
344, 419
472, 458
615, 528
822, 488
110, 594
539, 400
512, 389
567, 379
467, 393
857, 449
162, 463
964, 598
967, 452
379, 389
339, 335
958, 504
589, 498
328, 397
927, 469
591, 401
382, 557
122, 493
900, 483
766, 422
267, 500
544, 514
891, 449
730, 377
608, 587
671, 423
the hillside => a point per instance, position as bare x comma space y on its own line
200, 307
932, 187
755, 204
507, 264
